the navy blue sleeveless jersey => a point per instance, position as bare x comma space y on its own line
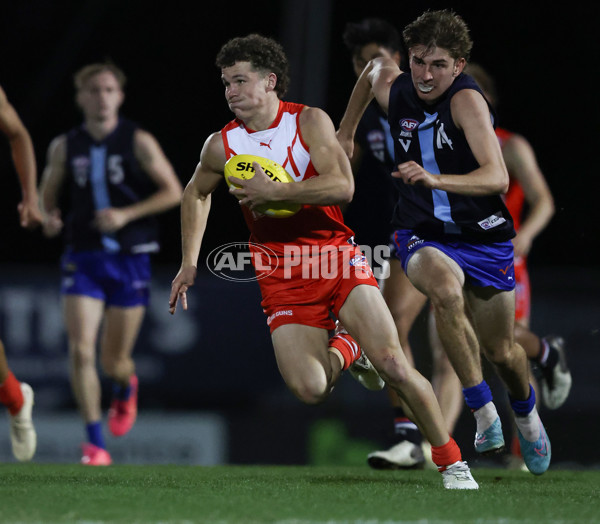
427, 134
101, 175
369, 214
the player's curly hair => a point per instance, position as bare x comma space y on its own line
264, 54
443, 28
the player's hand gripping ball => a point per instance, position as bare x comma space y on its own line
240, 166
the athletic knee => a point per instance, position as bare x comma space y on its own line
392, 369
108, 366
406, 381
449, 298
311, 391
310, 396
500, 352
82, 355
116, 367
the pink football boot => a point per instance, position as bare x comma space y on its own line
95, 456
122, 413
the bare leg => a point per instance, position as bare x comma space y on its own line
309, 370
441, 279
528, 340
367, 318
119, 335
83, 316
405, 303
494, 314
4, 369
444, 380
18, 398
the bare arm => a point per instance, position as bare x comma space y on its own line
52, 180
523, 166
471, 114
375, 81
334, 185
168, 194
195, 206
24, 160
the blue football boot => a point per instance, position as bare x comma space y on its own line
491, 440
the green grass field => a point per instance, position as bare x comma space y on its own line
49, 493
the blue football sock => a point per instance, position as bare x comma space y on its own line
522, 408
120, 392
477, 396
94, 432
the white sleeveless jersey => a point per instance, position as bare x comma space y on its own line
282, 142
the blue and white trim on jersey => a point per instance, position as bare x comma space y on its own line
441, 202
100, 191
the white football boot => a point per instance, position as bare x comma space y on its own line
458, 476
404, 455
22, 432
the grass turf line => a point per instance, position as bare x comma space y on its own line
289, 495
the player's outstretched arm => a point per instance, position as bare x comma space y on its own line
53, 178
195, 207
375, 80
522, 164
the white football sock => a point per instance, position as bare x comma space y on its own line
485, 416
529, 425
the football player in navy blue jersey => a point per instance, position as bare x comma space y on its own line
369, 215
373, 159
117, 179
452, 230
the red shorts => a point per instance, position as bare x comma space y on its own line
316, 287
522, 290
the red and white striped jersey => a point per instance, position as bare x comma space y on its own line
283, 143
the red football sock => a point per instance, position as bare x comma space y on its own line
445, 455
11, 395
515, 446
347, 346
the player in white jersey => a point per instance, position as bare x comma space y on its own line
254, 73
18, 396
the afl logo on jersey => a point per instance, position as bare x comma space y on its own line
375, 136
376, 139
80, 166
408, 124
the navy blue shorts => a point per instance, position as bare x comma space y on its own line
483, 264
118, 279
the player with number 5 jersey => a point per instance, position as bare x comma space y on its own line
115, 178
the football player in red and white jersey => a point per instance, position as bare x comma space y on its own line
298, 306
18, 396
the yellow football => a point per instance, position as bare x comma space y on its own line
240, 166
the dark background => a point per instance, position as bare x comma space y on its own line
218, 355
543, 59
